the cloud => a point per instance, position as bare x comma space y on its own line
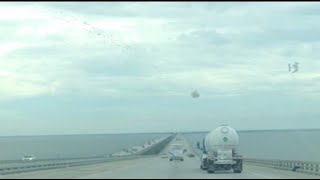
144, 50
217, 45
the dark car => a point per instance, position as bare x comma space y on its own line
190, 155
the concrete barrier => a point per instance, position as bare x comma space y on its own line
290, 165
157, 148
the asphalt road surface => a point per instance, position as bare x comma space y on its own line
159, 168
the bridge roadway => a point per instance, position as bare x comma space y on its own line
158, 168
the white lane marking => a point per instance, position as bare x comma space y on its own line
258, 174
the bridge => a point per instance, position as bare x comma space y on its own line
150, 163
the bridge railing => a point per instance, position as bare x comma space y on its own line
291, 165
156, 149
19, 167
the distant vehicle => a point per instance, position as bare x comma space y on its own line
28, 158
176, 157
220, 150
164, 156
190, 155
176, 152
185, 150
198, 145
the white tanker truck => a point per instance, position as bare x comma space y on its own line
220, 150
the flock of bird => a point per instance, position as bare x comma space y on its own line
107, 38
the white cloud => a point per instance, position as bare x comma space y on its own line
23, 12
9, 47
138, 50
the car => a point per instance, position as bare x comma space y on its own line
164, 156
177, 158
190, 155
28, 158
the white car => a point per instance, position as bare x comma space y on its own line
176, 157
164, 156
28, 158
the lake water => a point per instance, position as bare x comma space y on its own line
69, 145
295, 145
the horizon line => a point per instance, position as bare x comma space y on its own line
167, 132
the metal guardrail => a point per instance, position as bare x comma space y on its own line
297, 166
43, 165
47, 159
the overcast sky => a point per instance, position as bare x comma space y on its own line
107, 67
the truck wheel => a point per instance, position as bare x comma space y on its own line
237, 171
238, 167
210, 169
203, 167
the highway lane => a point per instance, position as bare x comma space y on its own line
174, 170
159, 168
